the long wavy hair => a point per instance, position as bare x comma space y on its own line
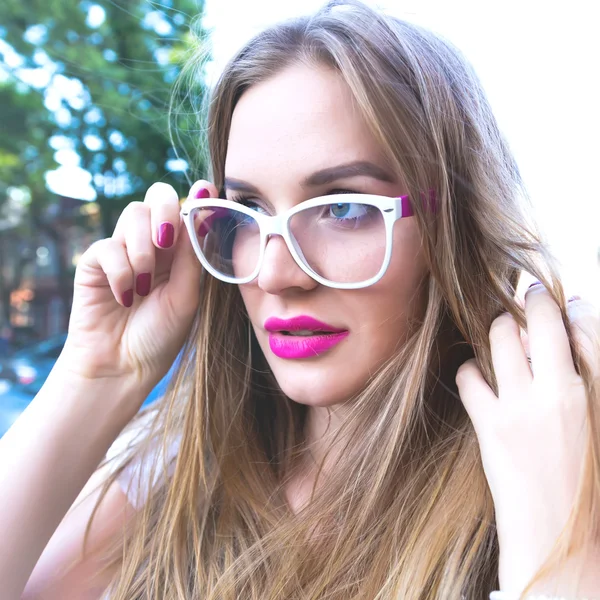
406, 512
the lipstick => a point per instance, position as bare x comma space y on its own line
302, 336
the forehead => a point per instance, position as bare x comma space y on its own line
297, 122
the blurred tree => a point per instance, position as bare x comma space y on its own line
105, 69
24, 159
88, 83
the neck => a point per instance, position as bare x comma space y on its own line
322, 424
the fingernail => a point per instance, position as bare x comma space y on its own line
166, 235
202, 193
142, 284
573, 298
128, 298
203, 229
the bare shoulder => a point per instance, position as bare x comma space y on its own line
50, 579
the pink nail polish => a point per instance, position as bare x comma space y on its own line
142, 284
203, 229
202, 193
127, 298
166, 235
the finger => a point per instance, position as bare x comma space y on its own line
184, 279
476, 395
163, 202
133, 232
109, 256
202, 189
508, 356
525, 342
183, 289
520, 301
550, 351
585, 328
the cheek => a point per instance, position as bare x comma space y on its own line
245, 251
249, 296
407, 266
397, 298
253, 298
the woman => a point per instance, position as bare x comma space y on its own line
355, 414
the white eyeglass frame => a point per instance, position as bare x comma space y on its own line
392, 209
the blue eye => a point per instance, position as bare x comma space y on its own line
348, 210
245, 201
257, 208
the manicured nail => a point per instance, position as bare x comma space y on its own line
573, 298
203, 229
128, 298
142, 284
202, 193
166, 235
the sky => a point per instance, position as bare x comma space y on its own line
538, 62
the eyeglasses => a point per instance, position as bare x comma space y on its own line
341, 240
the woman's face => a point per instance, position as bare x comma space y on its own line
284, 130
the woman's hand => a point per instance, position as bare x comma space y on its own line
136, 293
532, 435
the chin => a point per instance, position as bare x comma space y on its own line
310, 383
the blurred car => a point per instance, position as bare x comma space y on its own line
25, 372
6, 373
14, 399
33, 363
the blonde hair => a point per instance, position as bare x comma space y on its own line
407, 512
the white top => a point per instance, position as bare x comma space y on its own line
140, 469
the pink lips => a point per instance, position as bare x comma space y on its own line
288, 346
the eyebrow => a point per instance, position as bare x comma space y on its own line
324, 176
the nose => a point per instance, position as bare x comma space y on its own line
279, 271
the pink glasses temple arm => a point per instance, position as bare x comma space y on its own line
430, 203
